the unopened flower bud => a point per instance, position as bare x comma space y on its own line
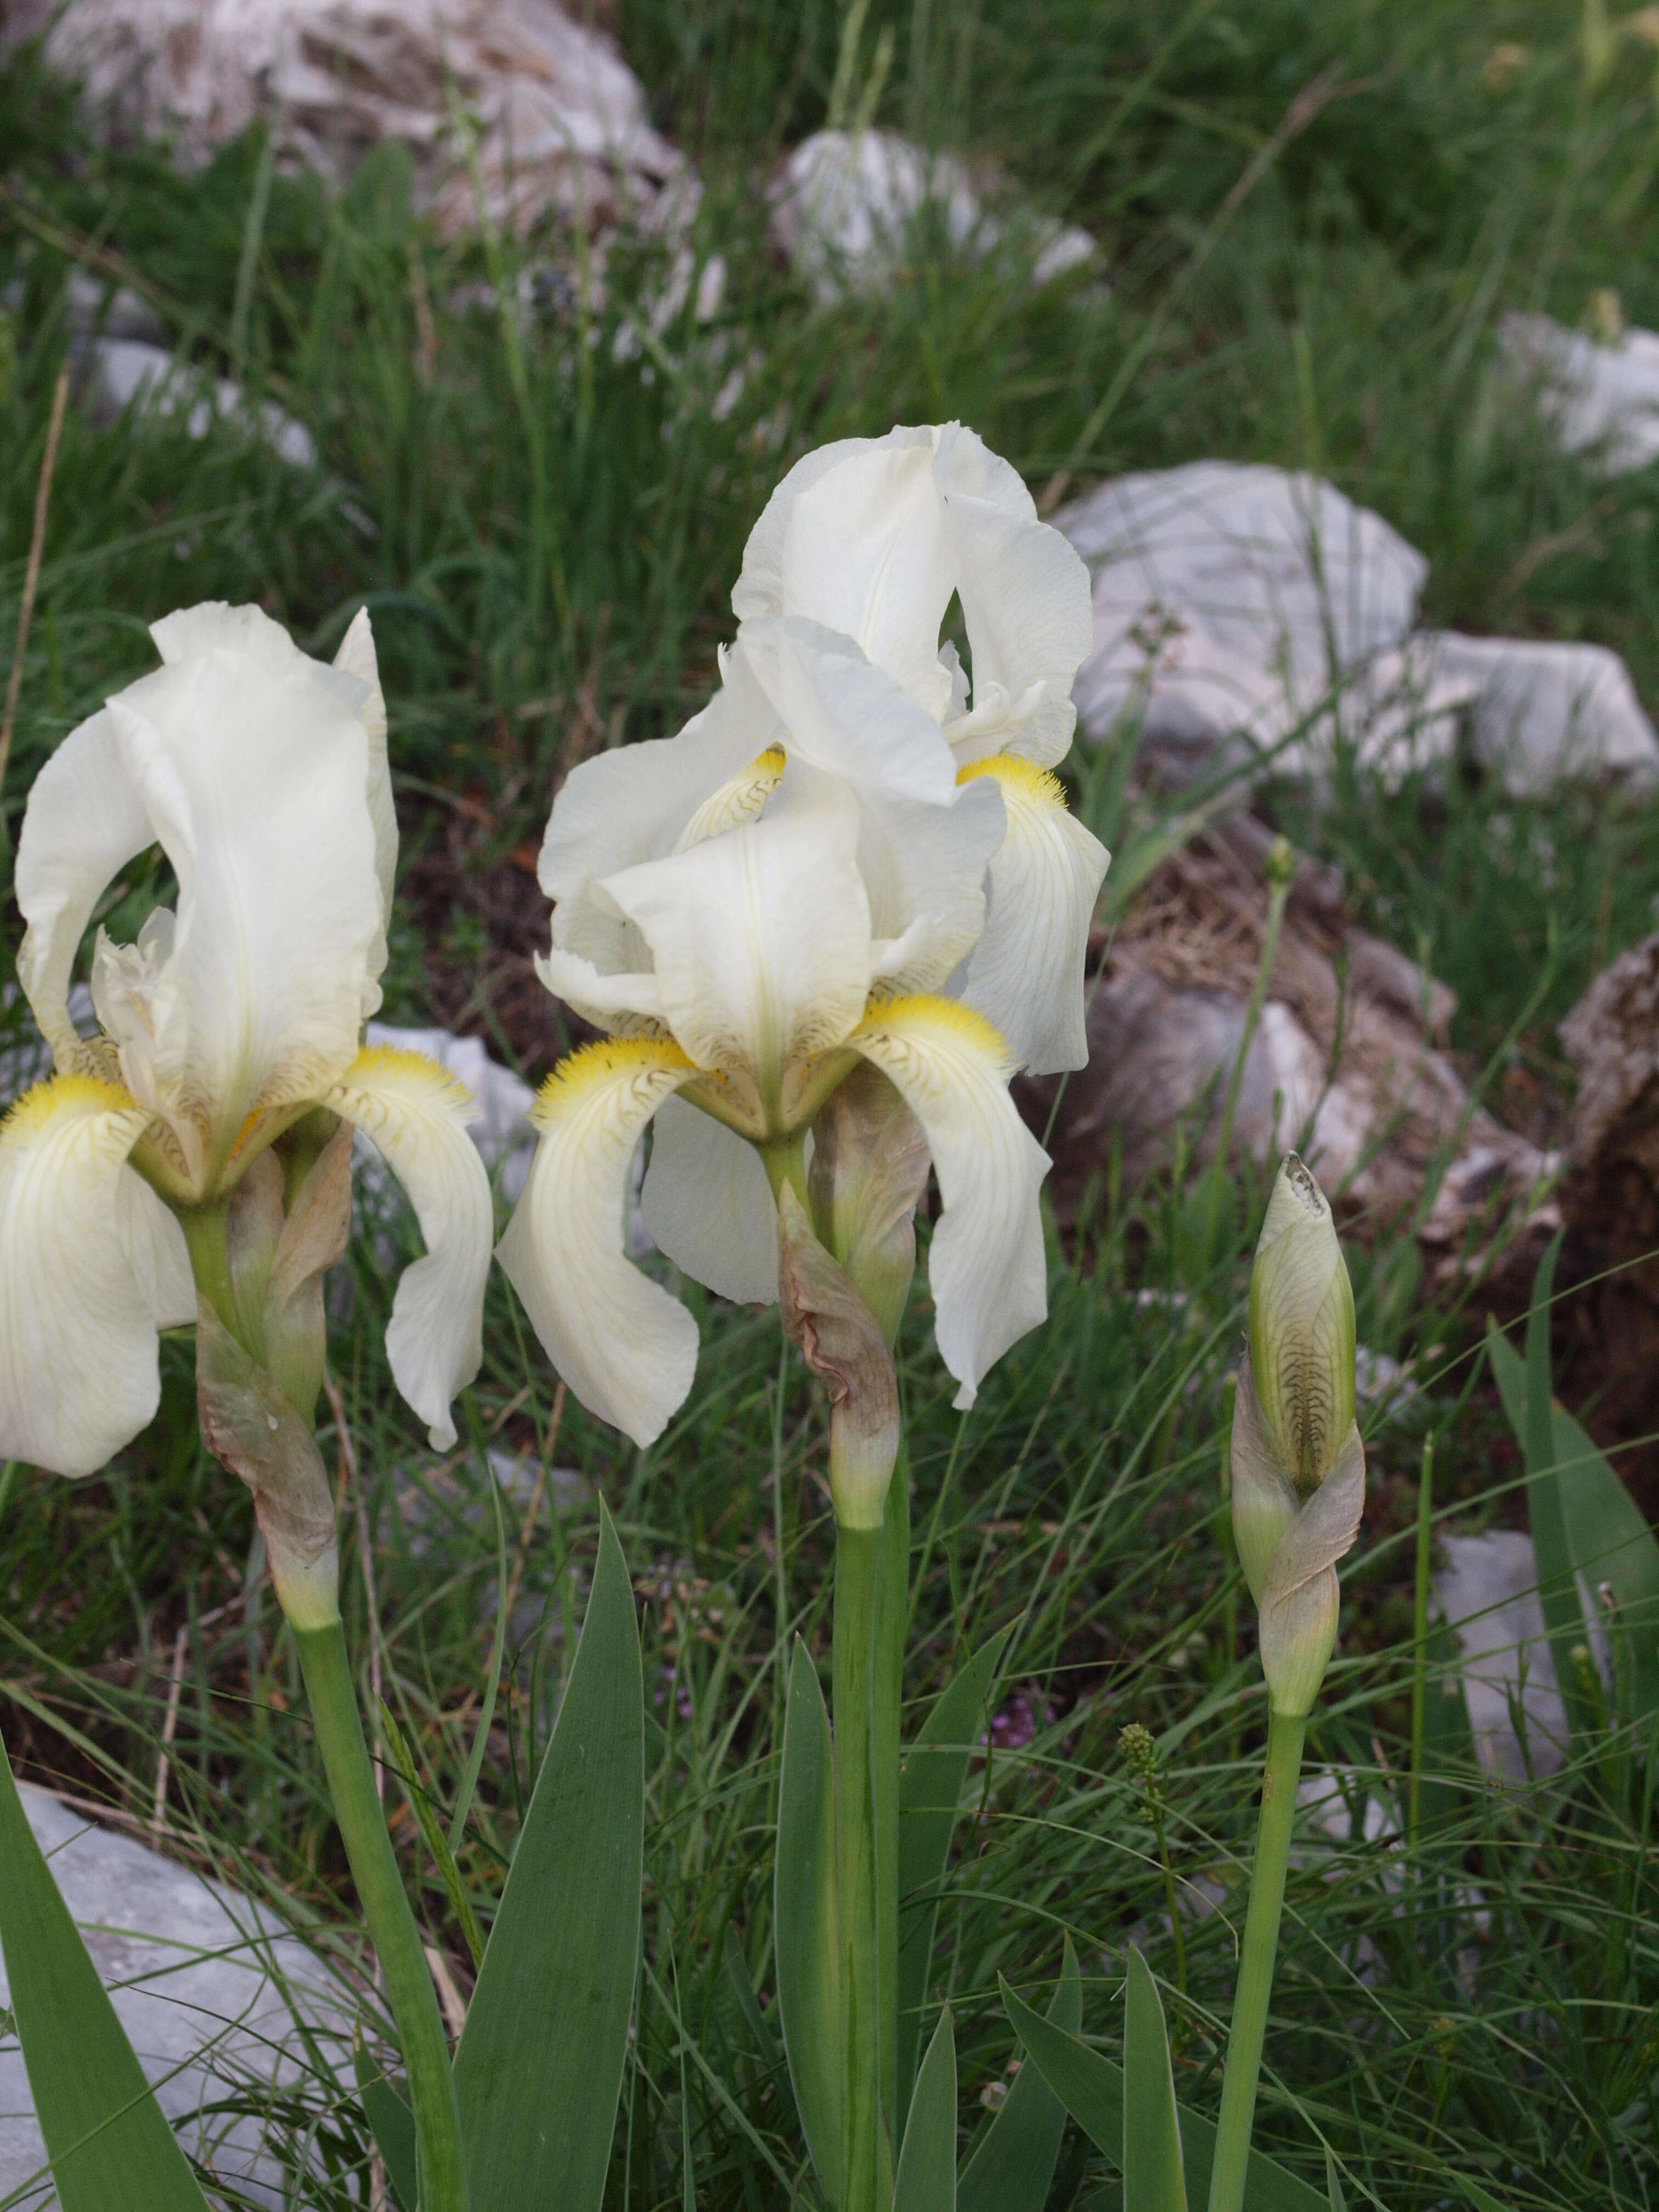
1302, 1329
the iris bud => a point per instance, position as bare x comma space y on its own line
1302, 1329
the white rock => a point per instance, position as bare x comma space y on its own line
1249, 612
843, 205
132, 373
1487, 1591
558, 121
1599, 399
210, 1986
1538, 711
1240, 602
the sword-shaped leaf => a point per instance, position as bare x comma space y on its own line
1013, 2163
105, 2136
1152, 2180
804, 1914
539, 2066
926, 2177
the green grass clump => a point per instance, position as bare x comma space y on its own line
1313, 220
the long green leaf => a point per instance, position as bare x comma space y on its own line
930, 1792
804, 1914
392, 2125
1091, 2089
1013, 2163
926, 2177
1333, 2185
540, 2063
1152, 2179
105, 2136
1482, 2199
1558, 1592
1608, 1539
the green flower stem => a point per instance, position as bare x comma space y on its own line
1255, 1968
892, 1618
867, 2158
391, 1923
210, 1259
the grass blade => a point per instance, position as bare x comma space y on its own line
930, 1791
486, 1712
392, 2125
1091, 2089
926, 2177
1152, 2179
106, 2138
1332, 2186
1014, 2162
803, 1909
1607, 1541
540, 2064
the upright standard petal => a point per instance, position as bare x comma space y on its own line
924, 869
760, 939
1026, 973
986, 1266
707, 1203
79, 1374
625, 1348
255, 773
84, 821
843, 713
1026, 602
415, 1115
855, 538
632, 805
357, 658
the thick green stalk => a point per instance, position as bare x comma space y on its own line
1255, 1966
391, 1923
892, 1618
867, 2159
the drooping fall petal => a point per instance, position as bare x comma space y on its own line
415, 1115
1026, 974
79, 1373
707, 1204
986, 1266
625, 1348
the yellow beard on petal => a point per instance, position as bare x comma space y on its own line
42, 1102
1036, 785
605, 1060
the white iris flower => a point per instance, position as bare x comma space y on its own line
752, 909
261, 774
873, 537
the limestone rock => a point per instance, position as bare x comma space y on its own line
1247, 614
210, 1987
844, 205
